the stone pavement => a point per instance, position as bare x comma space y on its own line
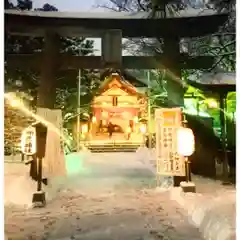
115, 200
118, 199
120, 214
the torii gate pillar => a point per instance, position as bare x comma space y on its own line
175, 89
112, 49
49, 67
174, 84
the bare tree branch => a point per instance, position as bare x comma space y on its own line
141, 6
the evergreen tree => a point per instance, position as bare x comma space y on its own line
29, 80
67, 79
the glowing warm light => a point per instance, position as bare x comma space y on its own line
129, 130
126, 115
212, 103
94, 119
84, 128
86, 114
104, 114
11, 99
185, 142
15, 103
28, 141
143, 128
135, 119
82, 135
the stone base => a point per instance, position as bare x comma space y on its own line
177, 180
188, 187
226, 183
39, 199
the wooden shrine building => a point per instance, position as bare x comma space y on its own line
121, 104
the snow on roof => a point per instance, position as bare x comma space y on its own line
218, 78
124, 82
190, 12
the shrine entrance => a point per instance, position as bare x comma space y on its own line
116, 111
126, 99
116, 131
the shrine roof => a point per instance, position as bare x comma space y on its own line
217, 82
93, 24
119, 77
110, 14
131, 79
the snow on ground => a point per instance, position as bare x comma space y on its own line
111, 196
148, 158
214, 215
212, 209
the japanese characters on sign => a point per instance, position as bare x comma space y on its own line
28, 141
169, 162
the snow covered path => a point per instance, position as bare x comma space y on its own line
212, 209
114, 198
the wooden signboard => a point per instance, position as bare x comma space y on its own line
53, 162
169, 163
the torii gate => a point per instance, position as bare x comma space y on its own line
111, 28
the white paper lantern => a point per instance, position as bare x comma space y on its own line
185, 142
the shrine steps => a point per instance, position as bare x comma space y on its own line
110, 147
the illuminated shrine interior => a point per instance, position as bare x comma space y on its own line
125, 106
120, 104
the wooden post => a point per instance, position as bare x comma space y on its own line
175, 89
112, 49
174, 84
46, 99
49, 66
223, 138
39, 199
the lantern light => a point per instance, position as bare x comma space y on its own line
28, 141
84, 128
143, 128
94, 119
185, 142
126, 115
104, 114
135, 119
16, 103
129, 130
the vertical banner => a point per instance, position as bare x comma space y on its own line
54, 161
169, 162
